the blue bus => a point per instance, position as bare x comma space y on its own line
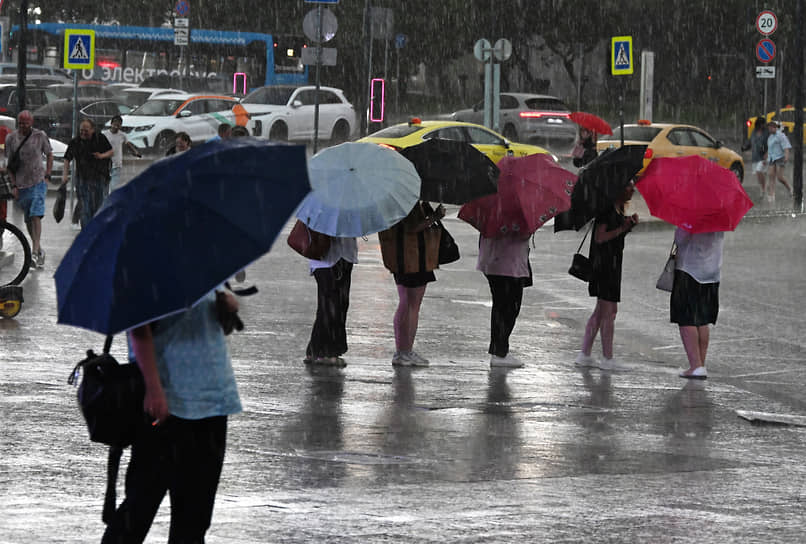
234, 61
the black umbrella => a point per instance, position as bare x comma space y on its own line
452, 172
600, 184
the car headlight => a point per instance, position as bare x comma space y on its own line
144, 128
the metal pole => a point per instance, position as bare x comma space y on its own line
797, 163
621, 112
367, 55
368, 81
74, 133
22, 55
318, 65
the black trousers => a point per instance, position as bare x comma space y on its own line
507, 295
329, 333
182, 457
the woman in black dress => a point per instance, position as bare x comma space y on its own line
607, 249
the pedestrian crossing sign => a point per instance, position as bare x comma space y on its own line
79, 49
621, 55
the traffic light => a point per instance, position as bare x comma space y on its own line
377, 100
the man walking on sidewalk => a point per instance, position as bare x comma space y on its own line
24, 150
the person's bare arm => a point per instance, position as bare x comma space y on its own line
154, 402
603, 235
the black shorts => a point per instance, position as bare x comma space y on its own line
418, 279
693, 304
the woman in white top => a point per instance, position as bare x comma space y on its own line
332, 273
695, 295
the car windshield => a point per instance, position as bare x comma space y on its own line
546, 104
273, 96
397, 131
633, 134
159, 107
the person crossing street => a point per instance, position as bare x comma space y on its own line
26, 147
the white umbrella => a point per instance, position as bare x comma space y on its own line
358, 189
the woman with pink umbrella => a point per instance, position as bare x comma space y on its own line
704, 200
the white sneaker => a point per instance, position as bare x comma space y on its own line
418, 359
510, 361
611, 364
585, 360
409, 358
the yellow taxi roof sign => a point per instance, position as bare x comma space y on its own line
621, 55
79, 49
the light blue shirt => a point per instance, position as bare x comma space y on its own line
194, 364
776, 144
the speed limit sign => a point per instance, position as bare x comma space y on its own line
766, 22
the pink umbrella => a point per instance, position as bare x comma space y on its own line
531, 190
694, 194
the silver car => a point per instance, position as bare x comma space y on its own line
536, 119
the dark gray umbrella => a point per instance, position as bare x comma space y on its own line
452, 172
601, 182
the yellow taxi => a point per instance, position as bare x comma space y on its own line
416, 131
673, 140
786, 117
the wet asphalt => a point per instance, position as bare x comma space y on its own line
458, 452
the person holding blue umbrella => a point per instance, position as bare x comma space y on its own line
149, 263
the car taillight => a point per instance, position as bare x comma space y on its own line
648, 153
387, 146
748, 123
537, 114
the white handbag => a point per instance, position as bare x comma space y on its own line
666, 279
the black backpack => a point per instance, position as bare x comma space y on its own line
110, 396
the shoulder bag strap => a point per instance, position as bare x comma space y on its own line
17, 151
586, 235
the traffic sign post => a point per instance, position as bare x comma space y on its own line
766, 23
319, 25
621, 64
79, 49
489, 54
621, 56
765, 50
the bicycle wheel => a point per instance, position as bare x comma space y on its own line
15, 254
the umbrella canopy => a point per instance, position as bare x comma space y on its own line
531, 190
601, 182
694, 193
452, 172
358, 189
177, 231
591, 122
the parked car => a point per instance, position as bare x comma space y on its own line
35, 97
532, 118
286, 113
56, 118
154, 124
492, 144
673, 140
85, 90
8, 71
786, 117
136, 96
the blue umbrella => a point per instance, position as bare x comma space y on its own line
177, 231
358, 189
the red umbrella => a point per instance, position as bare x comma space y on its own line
591, 122
694, 193
531, 190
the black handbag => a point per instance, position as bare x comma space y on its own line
60, 203
448, 250
581, 266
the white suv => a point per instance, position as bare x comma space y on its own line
154, 125
286, 113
